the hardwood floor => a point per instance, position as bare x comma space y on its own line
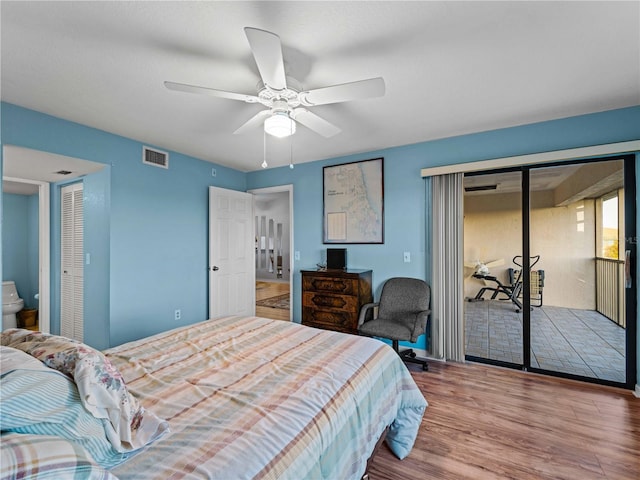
268, 290
486, 422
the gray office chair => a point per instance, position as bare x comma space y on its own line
403, 314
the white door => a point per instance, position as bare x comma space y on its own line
231, 255
71, 262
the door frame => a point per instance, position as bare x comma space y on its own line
44, 249
288, 188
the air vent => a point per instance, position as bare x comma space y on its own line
156, 158
480, 188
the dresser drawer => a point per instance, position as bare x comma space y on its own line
342, 286
330, 302
336, 320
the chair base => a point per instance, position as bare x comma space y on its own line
409, 355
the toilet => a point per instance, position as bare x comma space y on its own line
11, 304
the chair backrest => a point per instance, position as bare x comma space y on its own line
403, 295
515, 276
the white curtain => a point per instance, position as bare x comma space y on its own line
447, 316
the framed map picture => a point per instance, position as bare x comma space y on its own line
353, 200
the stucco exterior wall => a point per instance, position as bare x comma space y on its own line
563, 237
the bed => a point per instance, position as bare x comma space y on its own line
229, 398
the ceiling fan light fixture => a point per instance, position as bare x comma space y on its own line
280, 125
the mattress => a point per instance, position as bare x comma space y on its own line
248, 397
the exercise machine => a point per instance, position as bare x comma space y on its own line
513, 291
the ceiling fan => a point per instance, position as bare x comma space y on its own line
283, 96
481, 267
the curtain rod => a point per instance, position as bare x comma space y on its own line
535, 158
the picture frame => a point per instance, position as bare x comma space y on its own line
353, 202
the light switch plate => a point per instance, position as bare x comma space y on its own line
407, 257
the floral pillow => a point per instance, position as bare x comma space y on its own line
102, 389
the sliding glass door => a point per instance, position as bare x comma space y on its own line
552, 295
492, 239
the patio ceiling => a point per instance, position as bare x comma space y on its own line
603, 177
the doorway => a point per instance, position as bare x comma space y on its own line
30, 257
25, 166
273, 227
545, 269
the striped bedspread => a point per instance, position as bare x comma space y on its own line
247, 397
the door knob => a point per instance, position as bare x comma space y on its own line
214, 268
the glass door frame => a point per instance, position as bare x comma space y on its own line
630, 246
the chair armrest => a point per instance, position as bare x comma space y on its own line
420, 324
363, 312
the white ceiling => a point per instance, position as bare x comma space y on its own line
450, 68
44, 166
23, 168
19, 188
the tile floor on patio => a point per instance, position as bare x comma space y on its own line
580, 342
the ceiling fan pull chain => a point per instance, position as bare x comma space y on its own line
291, 148
264, 149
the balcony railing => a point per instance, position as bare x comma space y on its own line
610, 289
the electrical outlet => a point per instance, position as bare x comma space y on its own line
177, 314
407, 257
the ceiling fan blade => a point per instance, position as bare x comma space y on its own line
267, 52
315, 123
495, 263
182, 87
373, 87
253, 122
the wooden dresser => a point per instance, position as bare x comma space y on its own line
331, 299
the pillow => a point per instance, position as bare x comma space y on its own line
45, 457
102, 389
14, 359
41, 401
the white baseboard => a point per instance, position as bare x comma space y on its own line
424, 354
419, 352
636, 392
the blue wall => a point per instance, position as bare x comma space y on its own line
406, 206
97, 218
151, 224
20, 244
157, 219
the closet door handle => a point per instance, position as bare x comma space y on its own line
214, 269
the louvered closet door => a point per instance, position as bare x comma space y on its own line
72, 270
